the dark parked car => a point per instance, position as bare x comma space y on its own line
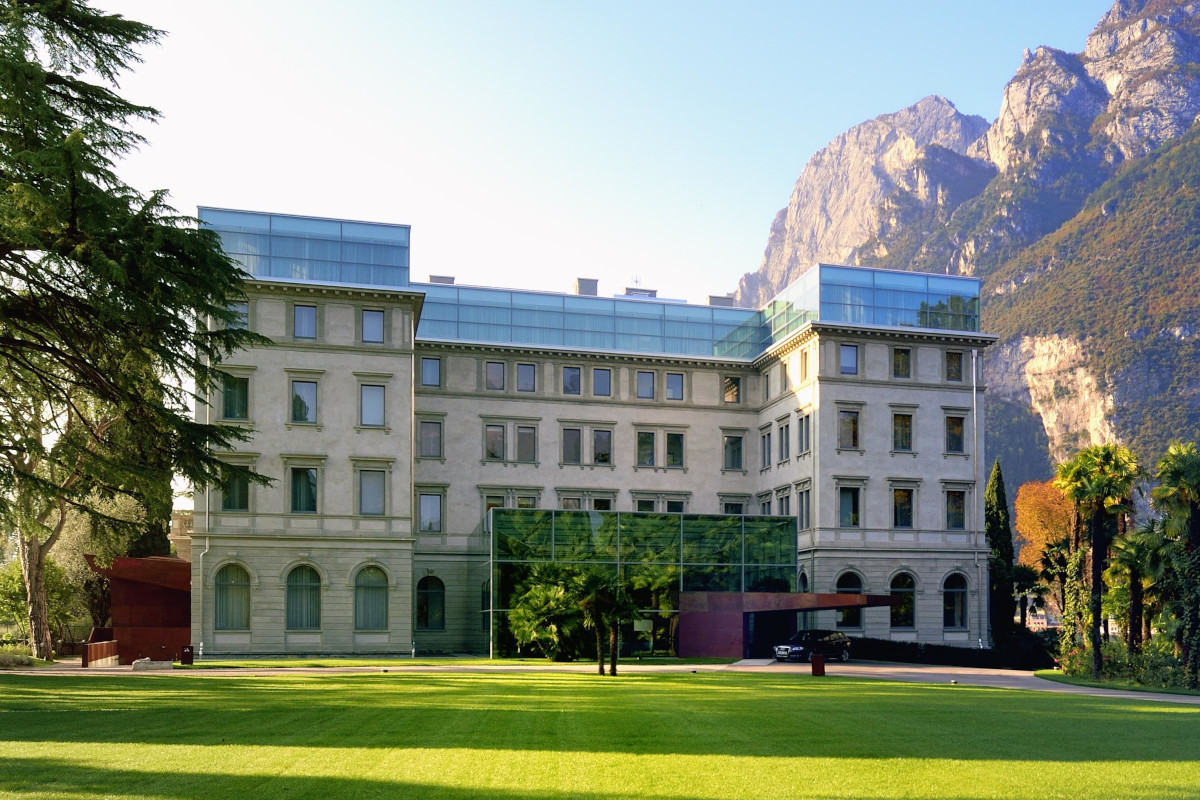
801, 647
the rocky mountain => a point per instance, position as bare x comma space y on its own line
1077, 206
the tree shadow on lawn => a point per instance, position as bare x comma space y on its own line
61, 778
702, 714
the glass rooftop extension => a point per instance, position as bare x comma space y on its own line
312, 249
329, 251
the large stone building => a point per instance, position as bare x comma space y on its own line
393, 415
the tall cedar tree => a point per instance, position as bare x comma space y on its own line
1000, 564
110, 301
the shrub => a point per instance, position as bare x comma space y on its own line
15, 655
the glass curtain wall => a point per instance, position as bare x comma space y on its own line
656, 555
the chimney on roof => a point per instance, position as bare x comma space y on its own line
586, 287
722, 300
446, 279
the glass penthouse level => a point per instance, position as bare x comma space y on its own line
657, 555
329, 251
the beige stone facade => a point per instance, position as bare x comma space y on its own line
470, 426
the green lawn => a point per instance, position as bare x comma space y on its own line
529, 736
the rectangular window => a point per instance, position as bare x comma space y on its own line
645, 449
235, 494
304, 322
804, 509
493, 445
645, 385
431, 371
304, 401
954, 366
785, 442
901, 362
645, 505
526, 501
674, 386
304, 490
493, 376
429, 513
848, 516
430, 439
571, 380
902, 508
803, 366
902, 432
764, 448
526, 443
766, 386
674, 449
371, 491
526, 378
572, 504
733, 389
956, 510
675, 507
602, 382
235, 399
601, 447
371, 406
849, 355
571, 448
492, 501
785, 505
804, 434
955, 440
764, 507
735, 508
241, 312
733, 452
602, 504
848, 430
372, 325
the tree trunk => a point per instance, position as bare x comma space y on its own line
1133, 636
1098, 546
32, 556
1024, 609
613, 646
599, 628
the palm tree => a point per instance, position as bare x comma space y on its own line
1026, 583
1053, 570
1131, 556
595, 593
1099, 481
1178, 497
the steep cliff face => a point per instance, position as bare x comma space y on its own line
1077, 206
835, 204
1052, 375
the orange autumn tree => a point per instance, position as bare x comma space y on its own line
1044, 522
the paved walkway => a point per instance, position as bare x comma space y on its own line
930, 673
881, 670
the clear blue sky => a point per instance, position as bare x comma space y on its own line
528, 143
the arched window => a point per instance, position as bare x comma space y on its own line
803, 583
849, 583
233, 598
303, 599
370, 600
954, 601
431, 604
904, 586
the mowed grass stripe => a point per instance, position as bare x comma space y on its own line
671, 736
